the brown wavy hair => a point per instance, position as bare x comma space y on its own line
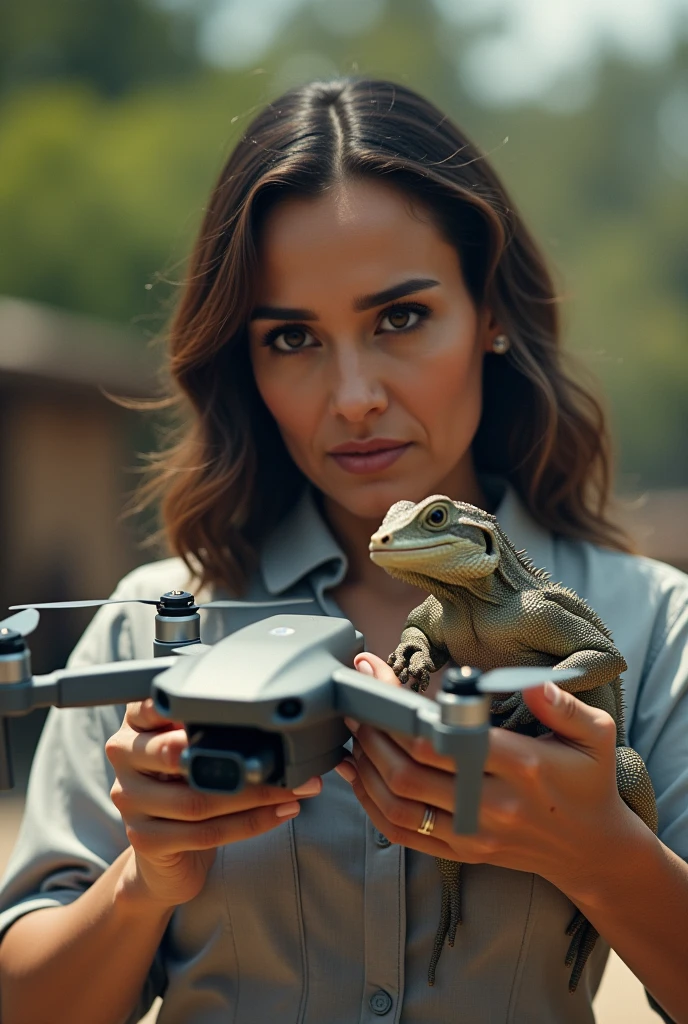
227, 479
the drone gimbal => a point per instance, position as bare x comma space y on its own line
266, 704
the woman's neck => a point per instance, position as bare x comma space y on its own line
353, 534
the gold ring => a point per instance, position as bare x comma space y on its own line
428, 822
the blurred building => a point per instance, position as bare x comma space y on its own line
65, 448
658, 521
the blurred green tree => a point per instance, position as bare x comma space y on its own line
106, 160
113, 46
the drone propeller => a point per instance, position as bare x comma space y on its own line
150, 600
193, 649
508, 680
257, 604
24, 622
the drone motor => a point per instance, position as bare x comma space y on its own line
177, 622
15, 667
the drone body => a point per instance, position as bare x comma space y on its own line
267, 703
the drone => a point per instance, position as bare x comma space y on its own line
267, 703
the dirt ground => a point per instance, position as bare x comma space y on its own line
620, 998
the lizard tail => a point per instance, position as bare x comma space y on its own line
450, 912
583, 939
635, 786
636, 790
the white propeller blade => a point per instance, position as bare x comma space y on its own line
84, 604
192, 649
149, 600
257, 604
523, 677
25, 622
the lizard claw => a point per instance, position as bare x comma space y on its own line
516, 711
508, 704
410, 664
420, 667
420, 685
397, 662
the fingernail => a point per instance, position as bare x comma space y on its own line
347, 771
288, 810
552, 694
309, 788
166, 754
352, 725
365, 667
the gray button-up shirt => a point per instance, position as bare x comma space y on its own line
322, 920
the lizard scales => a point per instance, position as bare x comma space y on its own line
489, 606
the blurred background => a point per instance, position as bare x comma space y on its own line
116, 118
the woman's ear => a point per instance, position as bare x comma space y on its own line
489, 328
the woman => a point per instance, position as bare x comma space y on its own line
366, 319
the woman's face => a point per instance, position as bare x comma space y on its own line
367, 348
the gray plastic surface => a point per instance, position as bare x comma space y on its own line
6, 775
287, 676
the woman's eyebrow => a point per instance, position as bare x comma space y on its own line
397, 291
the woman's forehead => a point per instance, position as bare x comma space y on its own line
361, 235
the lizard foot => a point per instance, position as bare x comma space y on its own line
450, 913
583, 939
515, 709
411, 665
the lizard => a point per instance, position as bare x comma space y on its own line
489, 606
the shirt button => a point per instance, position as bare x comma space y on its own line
381, 840
380, 1002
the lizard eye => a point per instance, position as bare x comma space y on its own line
436, 517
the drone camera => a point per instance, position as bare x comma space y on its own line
225, 759
216, 772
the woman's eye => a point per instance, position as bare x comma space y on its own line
403, 318
293, 339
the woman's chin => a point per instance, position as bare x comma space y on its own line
373, 501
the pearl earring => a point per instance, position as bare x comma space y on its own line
501, 344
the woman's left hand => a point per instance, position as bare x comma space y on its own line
550, 804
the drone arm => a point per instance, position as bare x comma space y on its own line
407, 712
116, 683
376, 703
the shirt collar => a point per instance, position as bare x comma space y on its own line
303, 542
524, 533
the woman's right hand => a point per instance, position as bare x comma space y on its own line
173, 829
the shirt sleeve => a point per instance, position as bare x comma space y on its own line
659, 728
71, 831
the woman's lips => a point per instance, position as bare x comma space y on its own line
369, 462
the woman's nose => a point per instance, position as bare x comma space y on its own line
357, 389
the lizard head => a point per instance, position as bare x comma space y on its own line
445, 540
